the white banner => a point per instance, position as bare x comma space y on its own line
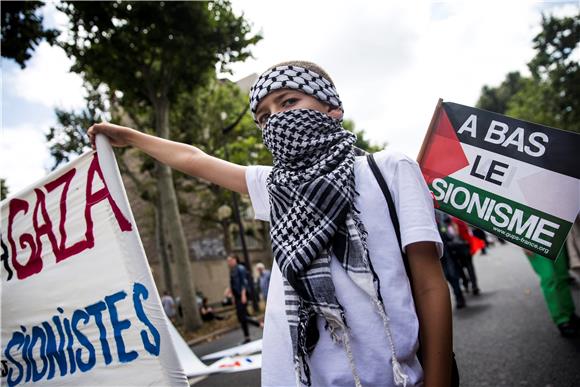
79, 305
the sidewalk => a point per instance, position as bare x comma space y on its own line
212, 330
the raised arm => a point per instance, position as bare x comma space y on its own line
185, 158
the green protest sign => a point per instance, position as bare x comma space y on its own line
515, 179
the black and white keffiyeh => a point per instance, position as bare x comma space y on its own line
312, 214
297, 78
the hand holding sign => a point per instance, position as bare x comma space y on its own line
119, 136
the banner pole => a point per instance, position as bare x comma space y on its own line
430, 130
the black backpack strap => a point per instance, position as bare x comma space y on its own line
395, 221
392, 210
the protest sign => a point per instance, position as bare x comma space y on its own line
515, 179
79, 305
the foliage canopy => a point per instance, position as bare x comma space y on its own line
22, 30
551, 95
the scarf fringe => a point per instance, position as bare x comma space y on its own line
399, 376
301, 363
302, 372
338, 331
339, 334
348, 350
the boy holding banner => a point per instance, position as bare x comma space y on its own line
339, 277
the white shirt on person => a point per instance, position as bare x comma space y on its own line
168, 305
328, 364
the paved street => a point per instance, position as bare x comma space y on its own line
240, 379
503, 338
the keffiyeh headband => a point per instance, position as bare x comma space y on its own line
296, 78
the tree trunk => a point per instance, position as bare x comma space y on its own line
172, 228
162, 248
227, 237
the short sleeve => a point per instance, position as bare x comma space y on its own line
256, 177
414, 204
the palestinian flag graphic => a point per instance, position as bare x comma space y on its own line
515, 179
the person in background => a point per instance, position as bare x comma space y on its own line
451, 268
227, 300
480, 234
466, 246
207, 313
263, 279
168, 305
554, 281
239, 289
178, 307
573, 246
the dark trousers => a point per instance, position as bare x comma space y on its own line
243, 318
451, 271
466, 262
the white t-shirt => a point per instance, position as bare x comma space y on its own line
329, 364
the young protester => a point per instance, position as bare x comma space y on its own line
340, 307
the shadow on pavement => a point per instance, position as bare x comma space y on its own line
470, 311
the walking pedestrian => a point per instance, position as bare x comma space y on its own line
239, 288
463, 247
263, 279
168, 304
451, 268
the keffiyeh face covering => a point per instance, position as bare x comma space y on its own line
312, 214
